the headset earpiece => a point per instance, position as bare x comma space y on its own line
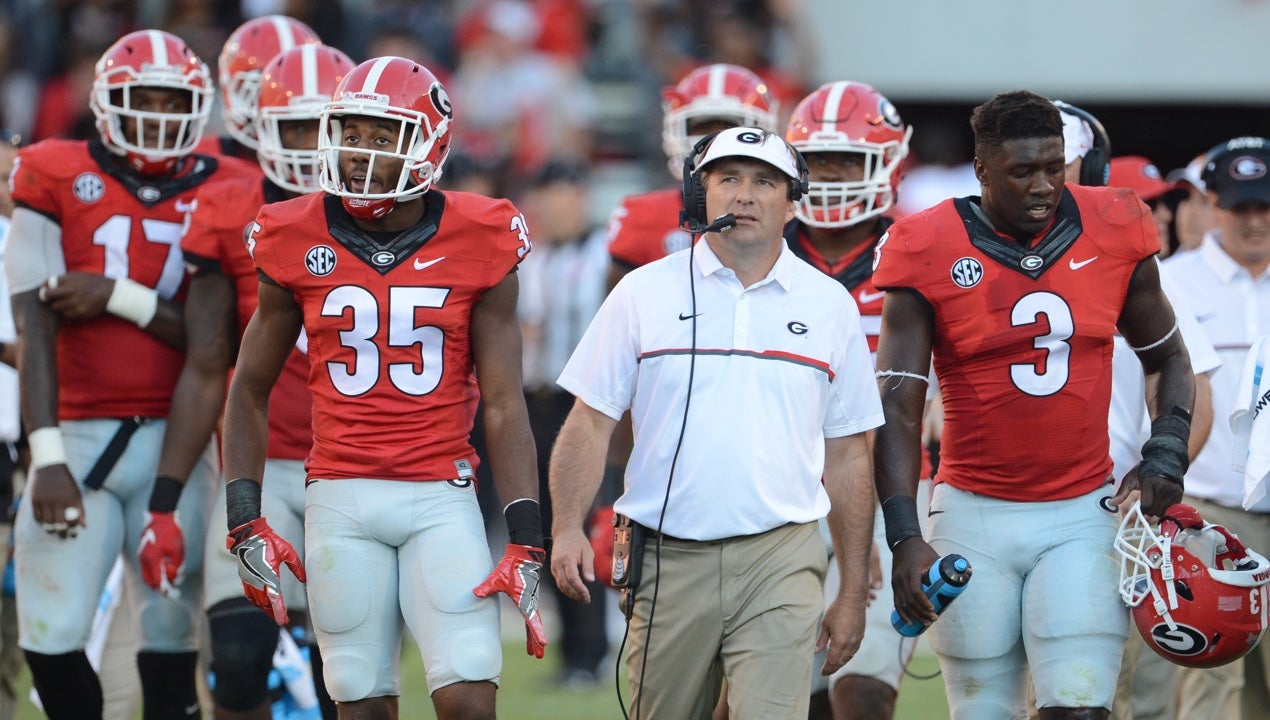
803, 186
1095, 168
693, 217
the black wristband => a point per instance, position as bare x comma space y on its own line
524, 522
1165, 453
165, 495
242, 501
900, 514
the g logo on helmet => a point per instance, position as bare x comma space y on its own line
441, 99
1185, 641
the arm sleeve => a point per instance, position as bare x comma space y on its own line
35, 251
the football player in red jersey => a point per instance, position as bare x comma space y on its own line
1018, 293
408, 297
242, 59
96, 269
294, 87
854, 142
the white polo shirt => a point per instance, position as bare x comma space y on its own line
1233, 308
779, 366
1128, 421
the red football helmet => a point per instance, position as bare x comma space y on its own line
242, 59
849, 117
408, 95
151, 139
722, 92
295, 85
1197, 595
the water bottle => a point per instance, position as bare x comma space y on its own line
943, 582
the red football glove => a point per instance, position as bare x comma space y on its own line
162, 552
261, 553
517, 575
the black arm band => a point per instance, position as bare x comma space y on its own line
900, 514
242, 501
1165, 453
524, 522
166, 493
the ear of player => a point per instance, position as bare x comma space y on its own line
517, 575
261, 553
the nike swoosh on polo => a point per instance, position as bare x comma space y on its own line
1071, 263
868, 297
420, 265
682, 316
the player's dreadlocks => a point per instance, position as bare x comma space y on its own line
1014, 116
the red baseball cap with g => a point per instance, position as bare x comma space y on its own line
1140, 175
1238, 171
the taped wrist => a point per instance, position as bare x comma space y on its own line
242, 501
166, 494
133, 302
900, 514
524, 522
1165, 453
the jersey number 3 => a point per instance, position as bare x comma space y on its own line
363, 372
1044, 378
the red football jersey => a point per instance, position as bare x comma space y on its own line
215, 241
388, 321
645, 228
1023, 336
855, 271
118, 224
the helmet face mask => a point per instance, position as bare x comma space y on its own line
1197, 595
402, 115
720, 93
296, 86
242, 61
849, 117
137, 81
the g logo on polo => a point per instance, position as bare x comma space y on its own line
1185, 640
750, 138
1247, 168
88, 187
966, 272
320, 260
797, 328
383, 258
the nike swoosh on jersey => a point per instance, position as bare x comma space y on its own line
868, 297
184, 206
1078, 265
420, 265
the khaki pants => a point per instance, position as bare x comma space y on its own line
746, 609
1239, 689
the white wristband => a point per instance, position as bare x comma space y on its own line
133, 301
46, 447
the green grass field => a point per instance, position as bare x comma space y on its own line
529, 693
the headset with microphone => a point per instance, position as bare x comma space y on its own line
692, 218
1095, 167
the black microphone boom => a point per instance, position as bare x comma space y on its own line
723, 223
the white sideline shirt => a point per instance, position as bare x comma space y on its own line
1129, 423
1233, 308
779, 367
